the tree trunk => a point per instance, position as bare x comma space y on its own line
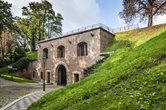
40, 37
150, 20
33, 42
0, 45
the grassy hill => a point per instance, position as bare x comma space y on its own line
133, 78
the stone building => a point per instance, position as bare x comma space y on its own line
66, 56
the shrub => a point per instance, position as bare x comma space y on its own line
19, 53
21, 64
4, 62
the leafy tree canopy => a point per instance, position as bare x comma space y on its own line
6, 18
40, 22
144, 9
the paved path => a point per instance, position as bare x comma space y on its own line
27, 100
4, 82
10, 91
18, 96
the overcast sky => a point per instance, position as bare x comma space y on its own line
80, 13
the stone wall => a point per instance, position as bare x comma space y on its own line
105, 38
96, 40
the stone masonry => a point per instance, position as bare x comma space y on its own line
69, 68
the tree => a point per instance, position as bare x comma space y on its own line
28, 31
6, 22
39, 22
10, 48
145, 9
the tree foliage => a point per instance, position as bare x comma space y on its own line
40, 22
10, 46
6, 21
145, 9
6, 18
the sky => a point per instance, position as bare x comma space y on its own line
81, 13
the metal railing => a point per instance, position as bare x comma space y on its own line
125, 28
87, 28
120, 29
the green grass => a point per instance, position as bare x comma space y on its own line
16, 79
140, 36
32, 55
4, 70
118, 44
135, 37
5, 74
130, 79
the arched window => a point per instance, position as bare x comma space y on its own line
61, 51
82, 49
45, 53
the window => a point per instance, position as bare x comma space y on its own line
76, 77
61, 51
82, 49
48, 77
45, 53
33, 74
41, 75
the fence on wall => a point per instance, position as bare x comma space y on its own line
120, 29
89, 28
125, 28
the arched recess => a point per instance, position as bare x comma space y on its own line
45, 53
61, 72
61, 51
82, 49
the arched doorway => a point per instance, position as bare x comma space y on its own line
62, 78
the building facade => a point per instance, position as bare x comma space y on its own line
64, 58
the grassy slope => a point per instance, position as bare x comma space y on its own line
130, 79
16, 79
140, 36
135, 38
31, 55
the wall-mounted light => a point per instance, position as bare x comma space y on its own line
92, 34
69, 42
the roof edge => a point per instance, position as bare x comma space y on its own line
100, 26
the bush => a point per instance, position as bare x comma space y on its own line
19, 53
4, 62
21, 64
